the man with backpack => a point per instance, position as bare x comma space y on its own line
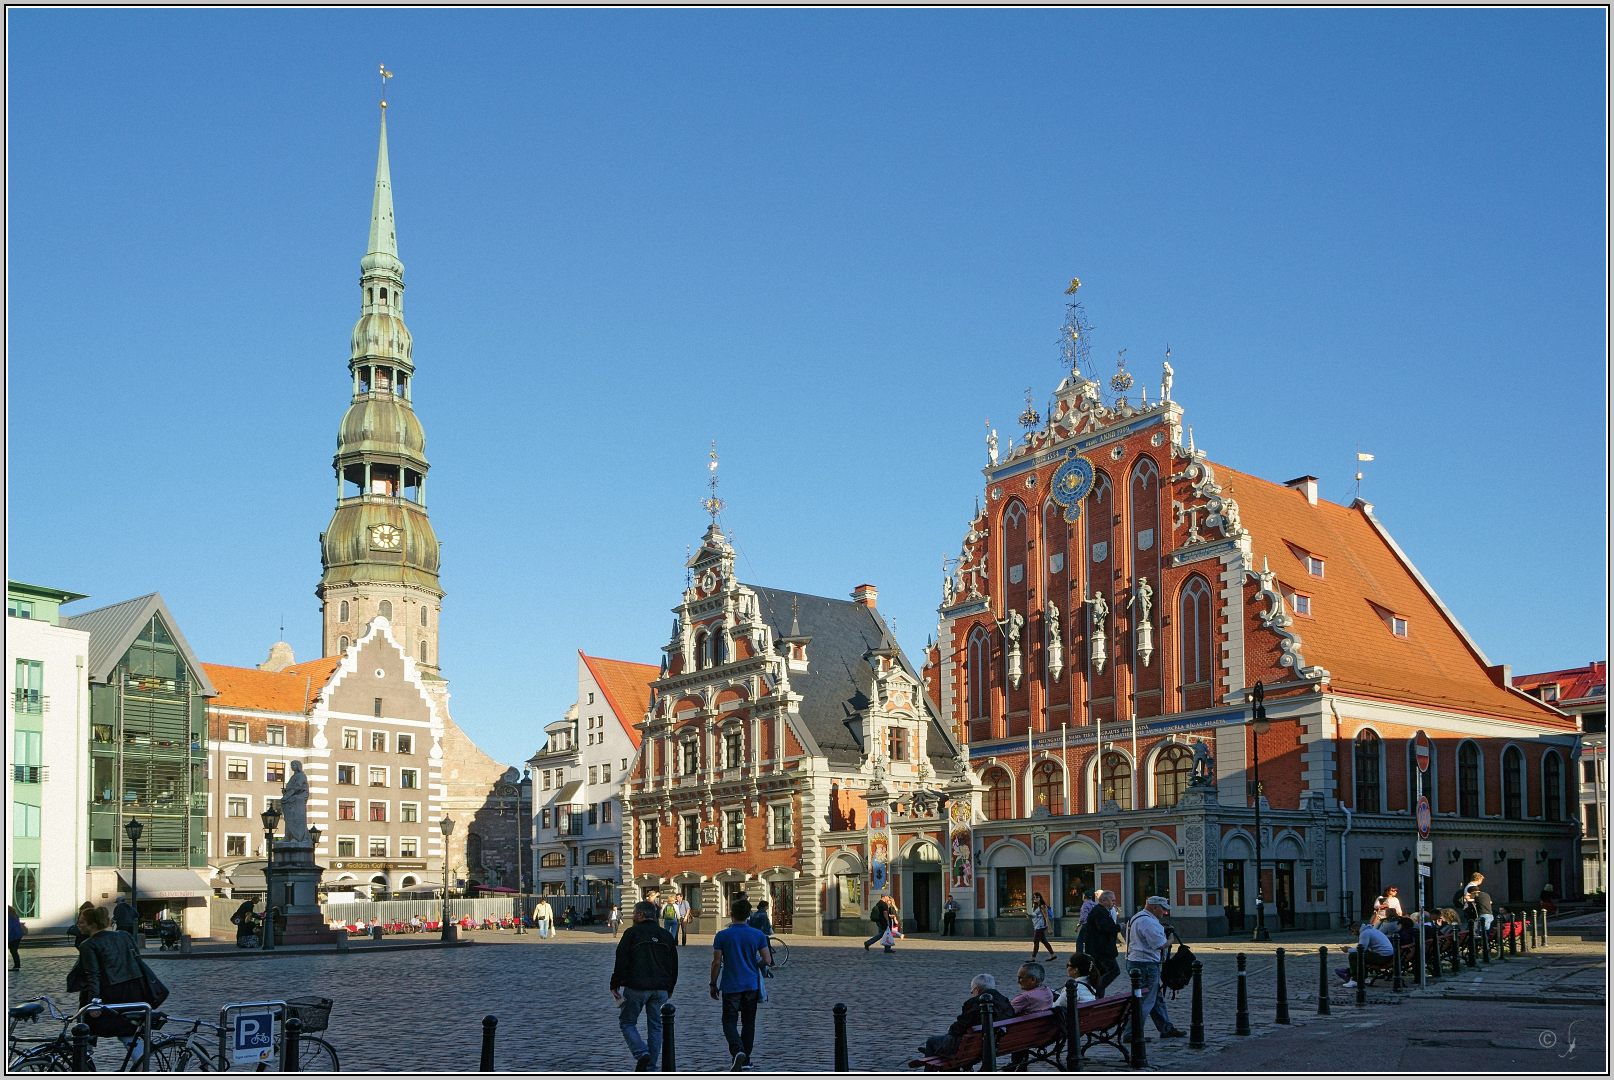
1146, 947
669, 917
646, 972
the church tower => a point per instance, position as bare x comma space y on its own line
379, 553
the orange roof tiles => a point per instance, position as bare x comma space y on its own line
291, 690
626, 686
1364, 582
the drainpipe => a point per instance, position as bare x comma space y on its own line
1342, 879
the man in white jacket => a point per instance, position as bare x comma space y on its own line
1146, 948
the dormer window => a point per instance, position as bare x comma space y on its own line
1398, 626
897, 743
1549, 692
1314, 566
1301, 603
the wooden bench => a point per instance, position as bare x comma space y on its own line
1039, 1037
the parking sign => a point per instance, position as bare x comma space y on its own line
254, 1038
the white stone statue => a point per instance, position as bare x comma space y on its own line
1143, 596
294, 808
1165, 382
992, 445
1101, 612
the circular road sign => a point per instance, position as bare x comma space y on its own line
1423, 817
1420, 746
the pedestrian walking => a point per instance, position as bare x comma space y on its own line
669, 917
685, 914
544, 916
950, 918
1039, 927
881, 915
124, 917
739, 953
1146, 949
644, 977
614, 920
1099, 935
14, 932
759, 918
109, 967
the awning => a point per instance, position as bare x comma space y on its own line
157, 883
565, 794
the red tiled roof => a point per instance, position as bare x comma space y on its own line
291, 690
1573, 683
626, 686
1364, 581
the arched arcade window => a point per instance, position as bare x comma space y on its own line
386, 609
1048, 787
341, 612
1173, 767
999, 794
1115, 779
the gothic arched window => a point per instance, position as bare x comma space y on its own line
473, 849
700, 650
979, 682
1115, 779
1048, 787
386, 609
423, 615
1468, 781
1172, 768
1194, 632
1512, 784
999, 795
1366, 760
1552, 788
341, 612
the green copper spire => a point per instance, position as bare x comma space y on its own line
383, 237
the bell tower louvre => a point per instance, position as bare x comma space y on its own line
379, 553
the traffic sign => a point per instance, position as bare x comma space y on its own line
1423, 869
1423, 817
254, 1038
1420, 746
1426, 851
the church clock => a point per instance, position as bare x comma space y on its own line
386, 537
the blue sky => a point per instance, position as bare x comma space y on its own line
834, 241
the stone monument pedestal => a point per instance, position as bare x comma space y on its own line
294, 884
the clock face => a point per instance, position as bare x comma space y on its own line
386, 537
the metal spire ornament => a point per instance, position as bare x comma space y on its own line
1076, 335
713, 504
1030, 418
1120, 382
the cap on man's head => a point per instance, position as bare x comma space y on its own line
1158, 901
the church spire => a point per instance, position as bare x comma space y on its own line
383, 234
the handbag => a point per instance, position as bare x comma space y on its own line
155, 992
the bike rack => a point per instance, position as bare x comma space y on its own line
227, 1029
144, 1065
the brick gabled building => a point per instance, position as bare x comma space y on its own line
780, 725
1115, 603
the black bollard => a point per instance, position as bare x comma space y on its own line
291, 1056
1242, 1019
1359, 966
1434, 973
488, 1024
81, 1048
1283, 992
669, 1059
1196, 1026
1499, 928
1485, 940
1472, 959
989, 1038
1322, 981
1073, 1030
1140, 1056
1395, 964
842, 1061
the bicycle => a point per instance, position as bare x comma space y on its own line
780, 951
55, 1053
189, 1052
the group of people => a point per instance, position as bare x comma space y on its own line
1380, 938
646, 973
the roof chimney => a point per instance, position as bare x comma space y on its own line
866, 595
1307, 486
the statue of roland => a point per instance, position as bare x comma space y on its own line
294, 808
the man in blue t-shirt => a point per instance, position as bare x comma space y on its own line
739, 953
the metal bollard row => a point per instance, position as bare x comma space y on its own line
842, 1057
488, 1024
1196, 1028
1140, 1056
1241, 1021
669, 1057
1322, 981
1283, 993
1073, 1030
989, 1037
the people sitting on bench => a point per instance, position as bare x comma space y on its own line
982, 987
1084, 969
1373, 947
1033, 996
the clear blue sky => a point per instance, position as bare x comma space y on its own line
835, 241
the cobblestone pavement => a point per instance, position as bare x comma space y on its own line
422, 1010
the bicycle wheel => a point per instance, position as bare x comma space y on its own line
177, 1055
781, 951
315, 1055
44, 1059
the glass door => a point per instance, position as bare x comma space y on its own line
1233, 893
1284, 892
1078, 880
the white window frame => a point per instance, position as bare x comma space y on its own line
229, 732
410, 805
339, 803
1302, 604
593, 774
1400, 626
402, 840
683, 833
269, 734
386, 776
229, 761
357, 735
246, 845
355, 766
246, 807
723, 838
773, 825
369, 847
408, 787
338, 849
382, 749
649, 830
386, 808
1316, 566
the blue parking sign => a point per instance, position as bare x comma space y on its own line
254, 1038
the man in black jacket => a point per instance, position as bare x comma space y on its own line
646, 972
1099, 939
982, 988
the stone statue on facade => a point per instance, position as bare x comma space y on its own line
992, 445
1165, 381
294, 808
1203, 765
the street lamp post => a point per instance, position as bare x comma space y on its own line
271, 821
446, 827
132, 829
521, 838
1261, 725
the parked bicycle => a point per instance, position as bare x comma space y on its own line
201, 1048
26, 1052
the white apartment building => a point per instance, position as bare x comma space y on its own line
48, 748
577, 779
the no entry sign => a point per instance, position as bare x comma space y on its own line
1420, 746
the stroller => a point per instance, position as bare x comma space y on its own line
167, 934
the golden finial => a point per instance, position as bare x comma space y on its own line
1075, 283
385, 75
